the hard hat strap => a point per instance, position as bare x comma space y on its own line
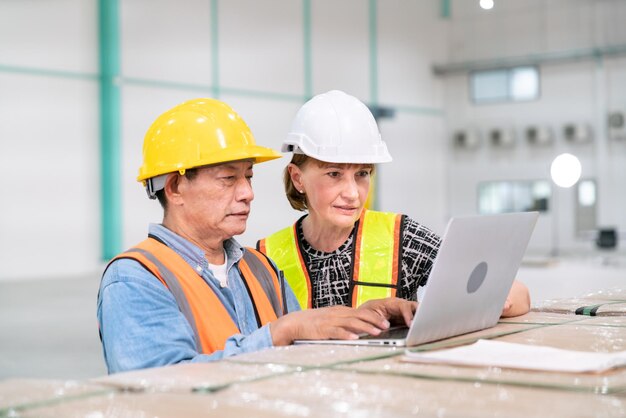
295, 149
155, 184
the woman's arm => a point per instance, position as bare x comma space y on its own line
518, 301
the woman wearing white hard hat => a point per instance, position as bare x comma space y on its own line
340, 253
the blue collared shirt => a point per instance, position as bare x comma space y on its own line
141, 325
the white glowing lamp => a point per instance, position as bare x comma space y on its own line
486, 4
565, 170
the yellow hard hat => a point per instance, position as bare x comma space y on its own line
196, 133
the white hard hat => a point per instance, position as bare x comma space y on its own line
337, 128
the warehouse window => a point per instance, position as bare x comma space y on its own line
586, 207
504, 85
513, 196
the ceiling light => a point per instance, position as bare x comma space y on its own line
565, 170
486, 4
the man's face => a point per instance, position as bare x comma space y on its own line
216, 203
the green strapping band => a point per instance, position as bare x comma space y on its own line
591, 310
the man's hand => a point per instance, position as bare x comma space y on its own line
396, 310
337, 323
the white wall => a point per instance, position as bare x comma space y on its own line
49, 105
412, 38
49, 132
49, 215
582, 91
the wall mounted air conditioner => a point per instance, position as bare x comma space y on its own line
501, 137
466, 139
617, 126
577, 133
539, 135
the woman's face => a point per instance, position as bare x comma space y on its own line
336, 193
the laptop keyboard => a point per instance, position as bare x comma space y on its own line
393, 333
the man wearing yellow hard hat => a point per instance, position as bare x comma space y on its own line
190, 292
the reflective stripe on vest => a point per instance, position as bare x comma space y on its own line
376, 258
208, 318
283, 249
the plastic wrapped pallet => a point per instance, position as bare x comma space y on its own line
335, 393
590, 306
575, 336
612, 321
613, 381
191, 376
543, 318
18, 394
607, 302
145, 405
326, 355
344, 393
617, 293
313, 355
498, 330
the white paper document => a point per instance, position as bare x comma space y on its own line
521, 356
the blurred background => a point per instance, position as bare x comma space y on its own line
475, 99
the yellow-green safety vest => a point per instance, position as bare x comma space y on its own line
376, 257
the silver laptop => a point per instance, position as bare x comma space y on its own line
471, 277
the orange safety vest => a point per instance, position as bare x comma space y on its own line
204, 311
376, 258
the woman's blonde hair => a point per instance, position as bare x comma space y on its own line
296, 199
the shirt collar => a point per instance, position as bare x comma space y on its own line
190, 252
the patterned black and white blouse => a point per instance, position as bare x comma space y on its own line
330, 272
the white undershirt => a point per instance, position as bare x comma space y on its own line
219, 271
